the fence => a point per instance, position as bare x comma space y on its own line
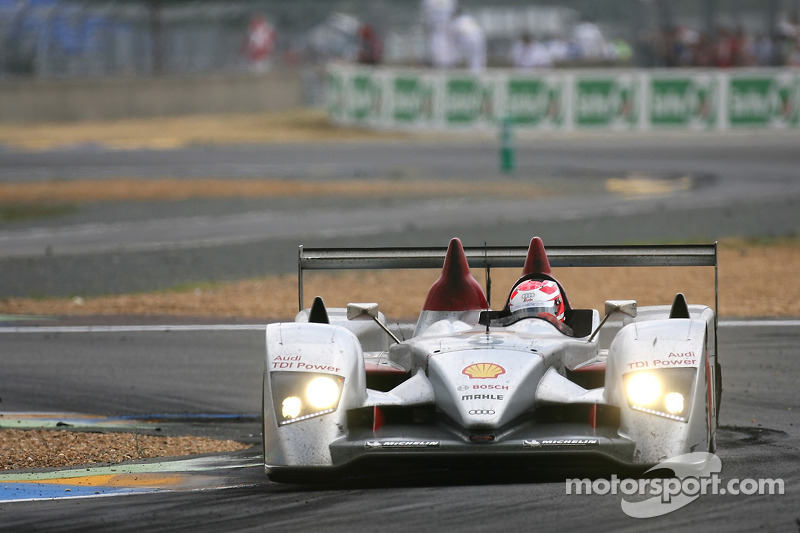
113, 38
49, 38
632, 99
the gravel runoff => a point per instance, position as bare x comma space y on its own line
38, 448
275, 297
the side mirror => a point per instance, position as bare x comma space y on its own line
626, 307
359, 310
356, 311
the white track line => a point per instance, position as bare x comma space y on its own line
125, 329
759, 323
262, 327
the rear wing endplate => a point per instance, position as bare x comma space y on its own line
488, 257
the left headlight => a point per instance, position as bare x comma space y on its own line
666, 392
302, 395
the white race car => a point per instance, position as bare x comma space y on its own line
534, 383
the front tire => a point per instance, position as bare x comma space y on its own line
304, 476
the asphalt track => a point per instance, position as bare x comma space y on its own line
670, 188
208, 380
201, 373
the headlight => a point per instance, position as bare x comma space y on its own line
674, 403
322, 392
302, 395
643, 389
291, 407
664, 393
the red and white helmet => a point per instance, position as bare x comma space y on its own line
537, 296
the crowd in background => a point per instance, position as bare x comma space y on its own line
729, 47
585, 46
454, 38
92, 38
678, 46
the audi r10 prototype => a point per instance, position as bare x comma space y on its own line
535, 382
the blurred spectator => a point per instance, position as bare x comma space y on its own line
590, 40
557, 48
743, 50
788, 27
470, 42
678, 45
703, 52
370, 46
688, 39
335, 38
671, 47
763, 51
794, 58
724, 49
786, 39
683, 47
260, 43
527, 53
438, 17
621, 50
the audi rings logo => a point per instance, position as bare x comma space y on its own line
481, 411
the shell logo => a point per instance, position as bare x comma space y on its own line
483, 371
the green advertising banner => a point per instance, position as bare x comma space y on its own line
364, 97
412, 100
468, 100
688, 99
535, 102
609, 102
763, 101
683, 101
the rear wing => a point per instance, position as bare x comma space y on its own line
488, 257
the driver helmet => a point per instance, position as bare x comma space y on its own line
537, 296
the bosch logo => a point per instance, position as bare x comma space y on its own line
481, 411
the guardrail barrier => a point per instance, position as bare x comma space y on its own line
552, 100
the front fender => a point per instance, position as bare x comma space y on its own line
298, 351
675, 353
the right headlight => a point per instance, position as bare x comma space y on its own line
643, 388
666, 392
302, 395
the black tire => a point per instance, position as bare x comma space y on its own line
321, 476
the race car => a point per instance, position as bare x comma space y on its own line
534, 382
